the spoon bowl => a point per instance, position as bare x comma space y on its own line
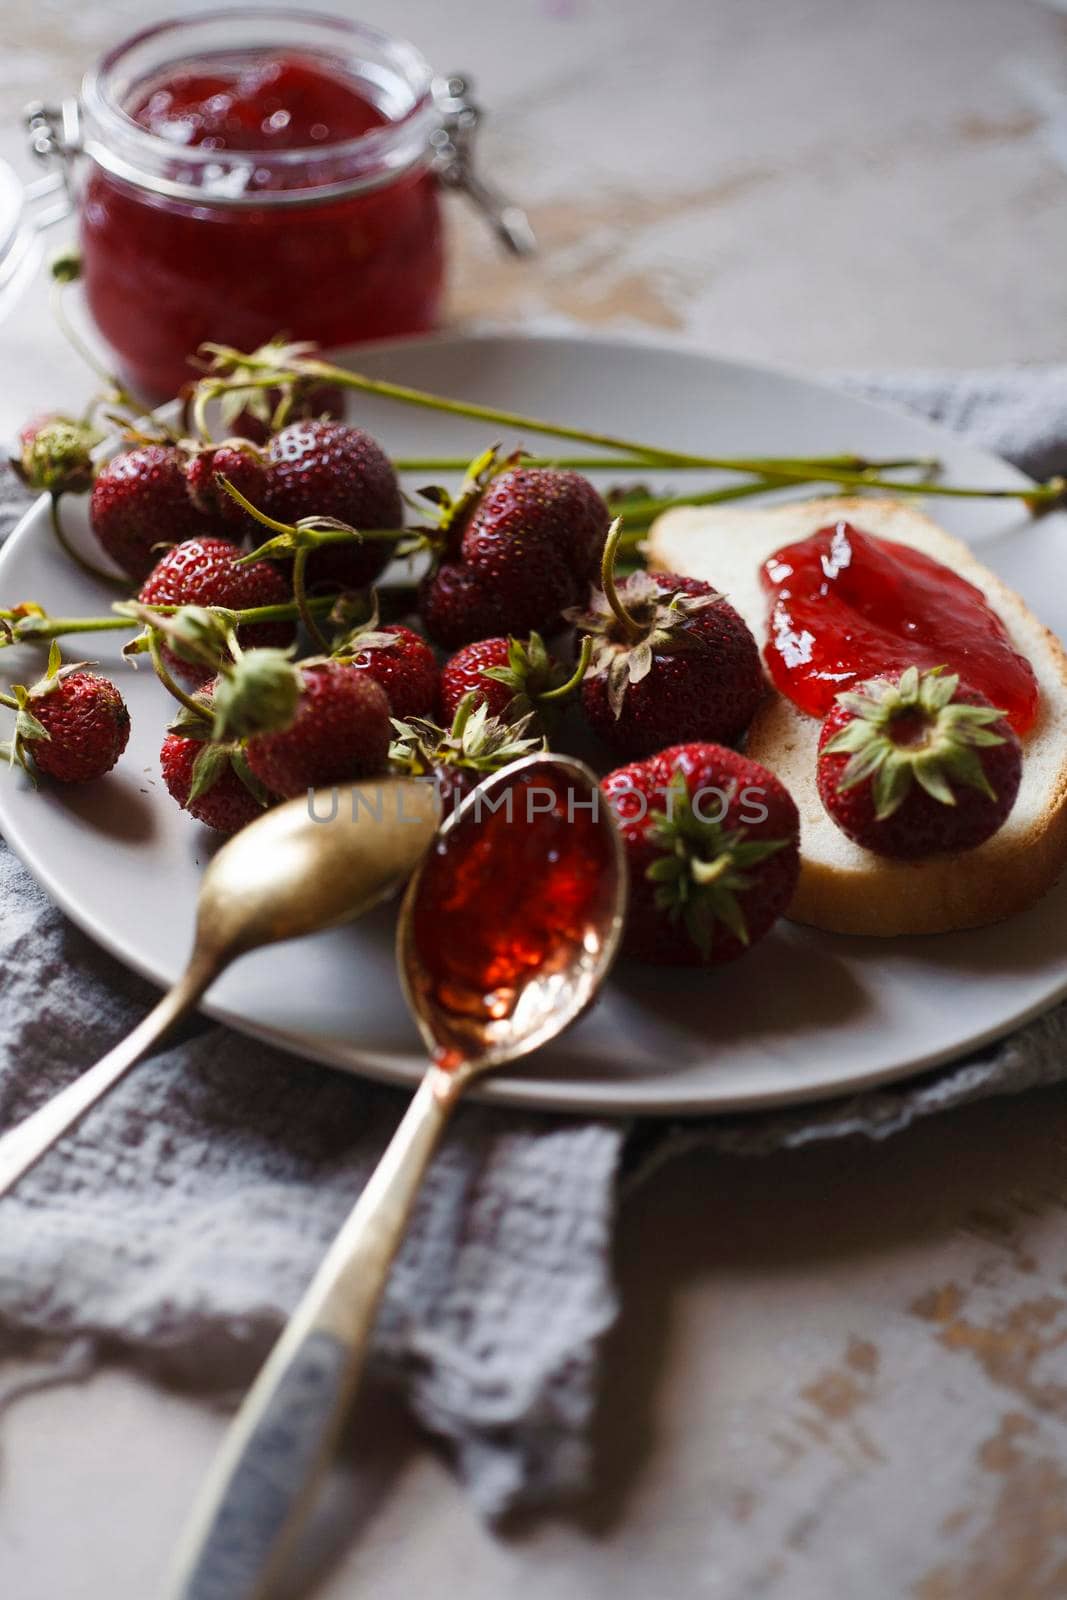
539, 920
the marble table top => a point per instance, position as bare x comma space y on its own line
840, 1372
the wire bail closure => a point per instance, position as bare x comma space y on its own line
55, 139
453, 148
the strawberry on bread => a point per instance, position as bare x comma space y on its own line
843, 886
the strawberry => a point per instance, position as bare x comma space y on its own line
456, 606
400, 660
460, 756
55, 454
327, 469
140, 501
712, 841
913, 764
73, 723
204, 572
245, 469
509, 676
672, 661
518, 547
533, 513
317, 723
210, 779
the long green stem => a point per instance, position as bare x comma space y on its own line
96, 573
34, 630
844, 463
793, 470
300, 595
166, 678
120, 394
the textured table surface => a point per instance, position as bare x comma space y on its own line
839, 1372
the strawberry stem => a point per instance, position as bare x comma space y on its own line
300, 595
565, 690
845, 463
789, 468
33, 629
110, 578
118, 394
607, 581
163, 674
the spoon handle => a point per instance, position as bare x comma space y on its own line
24, 1145
262, 1481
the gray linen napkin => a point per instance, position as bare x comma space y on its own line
179, 1225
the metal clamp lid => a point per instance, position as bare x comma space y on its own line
453, 147
55, 136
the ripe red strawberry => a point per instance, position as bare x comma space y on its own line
338, 732
460, 756
327, 469
456, 606
533, 512
510, 677
401, 661
672, 662
712, 840
140, 501
204, 572
74, 724
914, 765
518, 550
212, 781
245, 469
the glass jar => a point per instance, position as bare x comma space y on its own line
206, 215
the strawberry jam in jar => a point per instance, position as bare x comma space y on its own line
248, 173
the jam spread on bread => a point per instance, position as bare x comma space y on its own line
846, 606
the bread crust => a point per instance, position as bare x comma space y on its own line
843, 888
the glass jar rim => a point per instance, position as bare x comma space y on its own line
119, 144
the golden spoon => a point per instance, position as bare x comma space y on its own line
308, 865
506, 933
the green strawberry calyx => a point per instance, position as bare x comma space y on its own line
912, 730
702, 867
475, 741
632, 621
215, 755
538, 681
453, 510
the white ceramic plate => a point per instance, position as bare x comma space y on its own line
804, 1015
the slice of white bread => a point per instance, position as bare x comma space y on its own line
844, 888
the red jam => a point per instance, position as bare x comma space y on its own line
510, 894
259, 104
846, 606
163, 274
